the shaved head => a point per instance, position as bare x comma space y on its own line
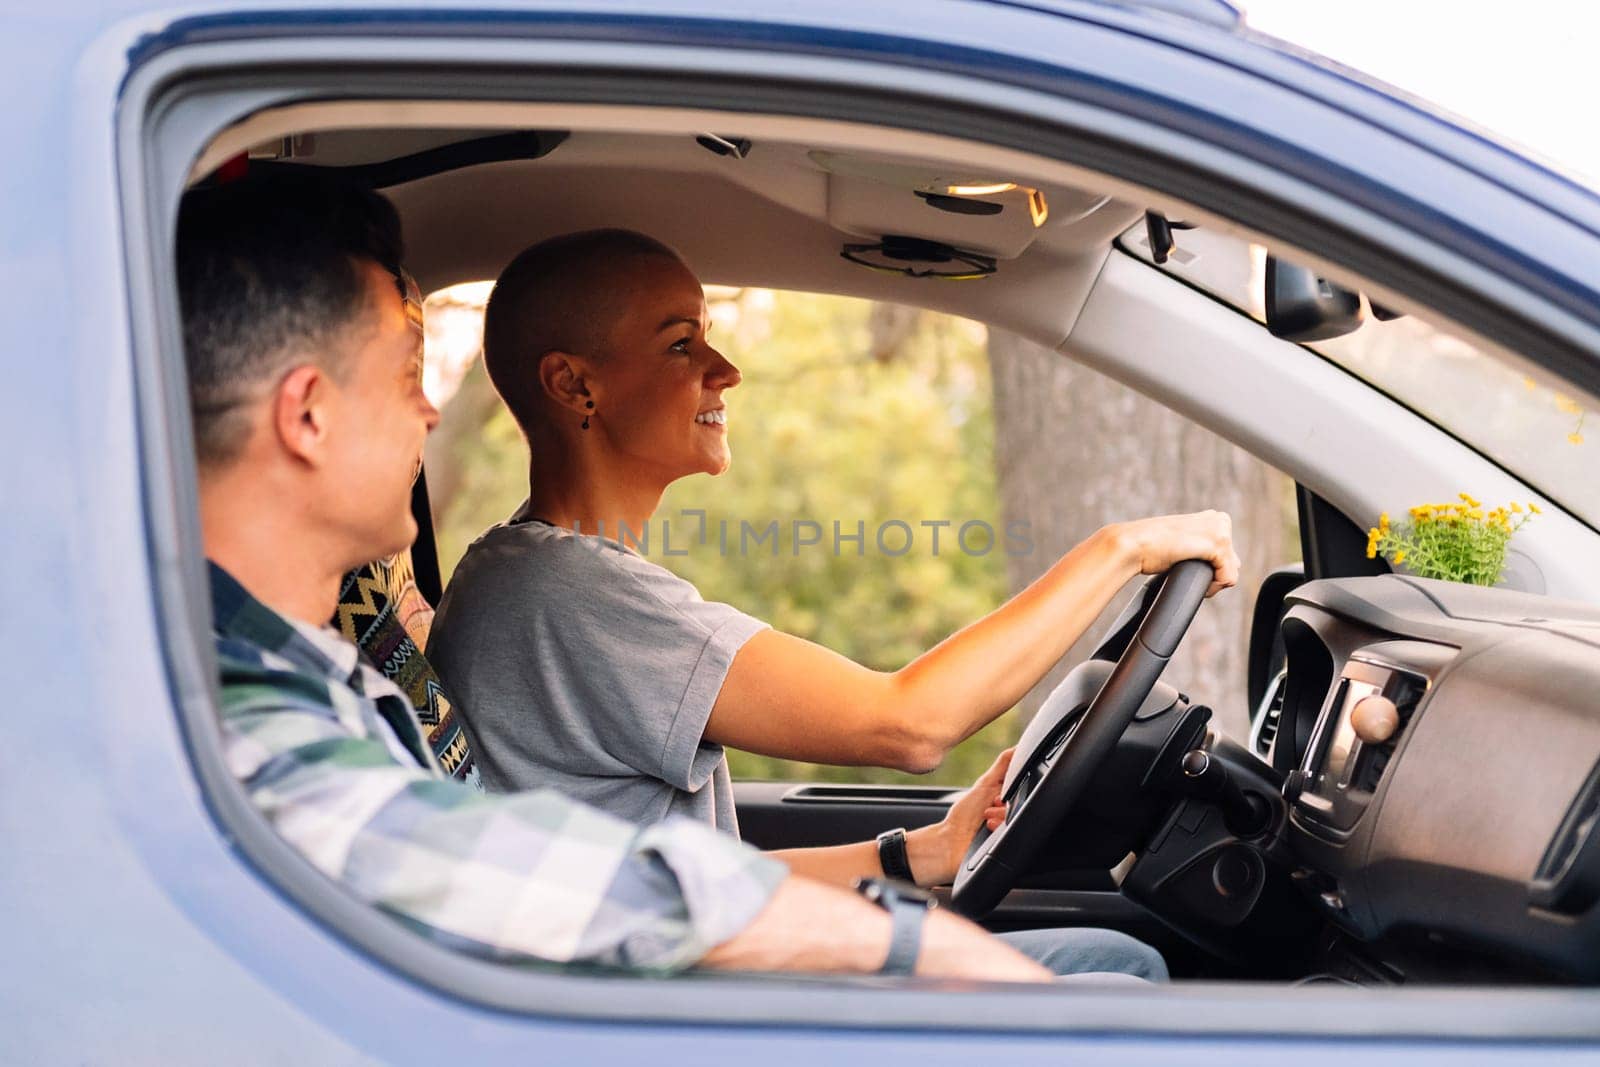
561, 295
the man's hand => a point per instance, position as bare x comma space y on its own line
936, 852
808, 926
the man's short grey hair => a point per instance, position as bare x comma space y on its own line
269, 269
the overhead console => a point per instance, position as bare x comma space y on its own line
1440, 746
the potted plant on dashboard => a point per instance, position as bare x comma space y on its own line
1458, 542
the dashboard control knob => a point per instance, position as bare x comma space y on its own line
1374, 719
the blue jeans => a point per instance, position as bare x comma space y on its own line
1085, 950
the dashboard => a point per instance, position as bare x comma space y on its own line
1440, 747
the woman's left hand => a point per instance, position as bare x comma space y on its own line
935, 852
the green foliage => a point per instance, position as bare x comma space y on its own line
490, 470
822, 430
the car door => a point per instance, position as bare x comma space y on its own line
172, 916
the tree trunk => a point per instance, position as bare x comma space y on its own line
1076, 451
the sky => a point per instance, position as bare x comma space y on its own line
1524, 70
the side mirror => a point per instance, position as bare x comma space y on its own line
1302, 306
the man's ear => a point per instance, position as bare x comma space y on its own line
301, 415
564, 378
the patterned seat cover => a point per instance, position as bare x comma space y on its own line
383, 612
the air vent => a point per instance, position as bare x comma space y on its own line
1407, 690
1266, 723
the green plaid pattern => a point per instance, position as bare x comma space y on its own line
332, 753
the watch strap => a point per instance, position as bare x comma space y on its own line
892, 856
905, 938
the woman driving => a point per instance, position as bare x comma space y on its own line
580, 665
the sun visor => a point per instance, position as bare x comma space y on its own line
991, 214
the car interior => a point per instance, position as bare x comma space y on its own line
1449, 840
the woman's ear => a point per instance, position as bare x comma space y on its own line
564, 378
301, 415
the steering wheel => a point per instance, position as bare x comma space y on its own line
1060, 768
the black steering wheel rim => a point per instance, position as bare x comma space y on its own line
1063, 768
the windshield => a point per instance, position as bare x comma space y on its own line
1543, 437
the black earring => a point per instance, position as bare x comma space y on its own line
590, 406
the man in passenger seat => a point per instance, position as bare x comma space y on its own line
309, 420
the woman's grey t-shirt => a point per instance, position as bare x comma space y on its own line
577, 664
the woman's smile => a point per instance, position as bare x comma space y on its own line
716, 418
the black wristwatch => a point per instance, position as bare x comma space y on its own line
908, 909
892, 856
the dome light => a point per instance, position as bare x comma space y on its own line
979, 190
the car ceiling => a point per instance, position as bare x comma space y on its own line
777, 218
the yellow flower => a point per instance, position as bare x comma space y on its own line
1475, 514
1567, 405
1535, 508
1467, 499
1528, 383
1372, 549
1383, 522
1516, 508
1575, 438
1399, 558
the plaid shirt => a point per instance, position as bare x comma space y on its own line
332, 753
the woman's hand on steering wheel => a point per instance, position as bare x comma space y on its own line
1156, 544
935, 852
